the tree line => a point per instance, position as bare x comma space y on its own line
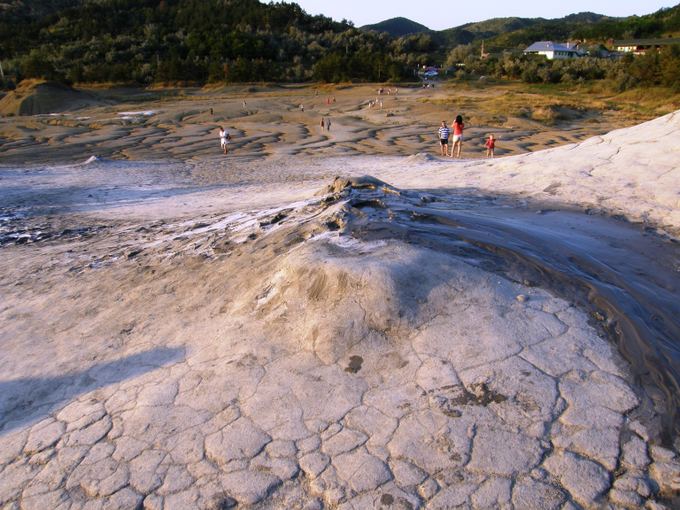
655, 68
202, 41
213, 41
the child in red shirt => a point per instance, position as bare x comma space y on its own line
490, 146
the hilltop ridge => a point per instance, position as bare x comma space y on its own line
397, 27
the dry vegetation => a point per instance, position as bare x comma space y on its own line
524, 118
493, 104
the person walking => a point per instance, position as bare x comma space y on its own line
224, 140
323, 124
458, 127
328, 124
444, 133
490, 146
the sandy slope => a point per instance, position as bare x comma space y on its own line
631, 172
34, 97
202, 333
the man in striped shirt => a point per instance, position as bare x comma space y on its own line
444, 133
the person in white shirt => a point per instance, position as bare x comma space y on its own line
444, 133
224, 140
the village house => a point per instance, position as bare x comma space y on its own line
642, 46
552, 51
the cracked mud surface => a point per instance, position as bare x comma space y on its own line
274, 360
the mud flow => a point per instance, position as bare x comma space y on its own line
626, 277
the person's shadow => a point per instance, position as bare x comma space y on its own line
30, 399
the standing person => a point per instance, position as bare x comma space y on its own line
224, 140
458, 127
323, 125
490, 146
444, 133
328, 124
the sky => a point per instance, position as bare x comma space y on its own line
441, 14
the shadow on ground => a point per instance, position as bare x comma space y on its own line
31, 399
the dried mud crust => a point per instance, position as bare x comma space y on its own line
269, 360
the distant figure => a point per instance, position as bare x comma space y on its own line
444, 133
458, 127
224, 140
323, 125
333, 99
490, 146
244, 104
328, 124
302, 107
211, 111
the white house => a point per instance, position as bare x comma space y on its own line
642, 46
552, 50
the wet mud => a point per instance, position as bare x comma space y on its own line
627, 278
355, 363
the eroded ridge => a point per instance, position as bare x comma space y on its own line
275, 360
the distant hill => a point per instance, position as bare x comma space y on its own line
397, 27
513, 32
504, 32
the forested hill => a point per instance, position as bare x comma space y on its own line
520, 31
198, 40
147, 41
508, 33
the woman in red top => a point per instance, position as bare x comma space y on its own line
458, 127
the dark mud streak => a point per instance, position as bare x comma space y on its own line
612, 269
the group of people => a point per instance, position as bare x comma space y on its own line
458, 128
444, 134
375, 103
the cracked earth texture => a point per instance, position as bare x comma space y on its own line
269, 361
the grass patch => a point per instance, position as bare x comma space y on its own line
554, 103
